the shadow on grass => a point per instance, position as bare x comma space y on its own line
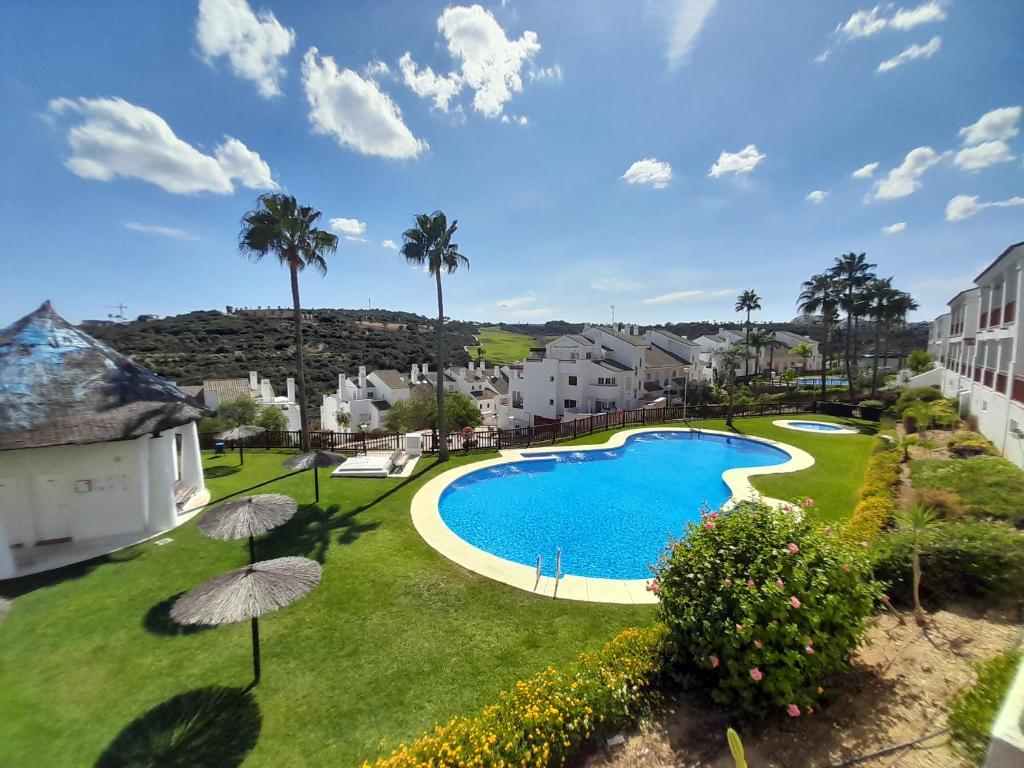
22, 585
158, 621
220, 471
212, 727
244, 491
312, 532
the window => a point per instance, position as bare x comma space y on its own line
551, 402
572, 381
609, 380
569, 403
517, 399
551, 379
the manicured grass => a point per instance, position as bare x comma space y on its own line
973, 710
988, 486
395, 639
502, 347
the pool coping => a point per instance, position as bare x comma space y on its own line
426, 518
841, 429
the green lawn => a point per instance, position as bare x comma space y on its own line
394, 639
502, 347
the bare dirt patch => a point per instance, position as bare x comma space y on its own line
896, 693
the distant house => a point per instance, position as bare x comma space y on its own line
213, 393
365, 401
96, 452
776, 360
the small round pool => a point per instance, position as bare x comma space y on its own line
820, 427
610, 511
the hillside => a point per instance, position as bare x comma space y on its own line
208, 344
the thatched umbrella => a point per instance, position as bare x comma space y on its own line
238, 434
249, 516
248, 593
314, 460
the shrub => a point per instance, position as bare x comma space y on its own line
942, 413
989, 486
919, 361
882, 474
870, 516
871, 404
973, 710
970, 559
544, 720
946, 504
964, 444
913, 395
762, 606
272, 419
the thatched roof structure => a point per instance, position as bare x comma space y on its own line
240, 432
249, 516
314, 460
249, 592
60, 386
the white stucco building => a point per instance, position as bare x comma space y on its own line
96, 452
979, 350
213, 393
775, 359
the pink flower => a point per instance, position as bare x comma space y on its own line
794, 601
713, 515
728, 582
739, 627
793, 548
793, 710
758, 644
710, 525
750, 583
808, 650
757, 674
653, 587
846, 567
780, 583
714, 661
808, 502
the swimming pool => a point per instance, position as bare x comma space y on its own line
610, 510
830, 381
820, 427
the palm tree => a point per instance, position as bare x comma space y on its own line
878, 294
730, 359
820, 294
772, 344
429, 245
916, 521
901, 305
756, 341
851, 272
803, 350
281, 226
748, 301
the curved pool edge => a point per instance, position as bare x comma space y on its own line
426, 518
840, 429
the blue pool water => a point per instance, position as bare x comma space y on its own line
830, 381
610, 510
814, 426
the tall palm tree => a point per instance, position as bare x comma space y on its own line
756, 341
877, 295
281, 226
772, 344
429, 245
802, 350
901, 305
820, 294
852, 272
748, 301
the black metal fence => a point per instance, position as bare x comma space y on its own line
492, 438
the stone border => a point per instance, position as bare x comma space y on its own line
426, 517
840, 429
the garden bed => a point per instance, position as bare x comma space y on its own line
897, 693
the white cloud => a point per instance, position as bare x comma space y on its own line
895, 229
822, 57
614, 285
517, 119
682, 21
518, 301
154, 229
649, 171
863, 23
744, 161
927, 13
355, 111
865, 171
553, 73
390, 244
869, 22
964, 206
376, 68
425, 84
983, 155
915, 51
252, 43
817, 196
352, 229
905, 179
997, 125
677, 296
118, 139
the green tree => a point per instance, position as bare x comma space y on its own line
852, 273
820, 295
730, 359
803, 351
399, 417
271, 419
917, 521
748, 301
756, 341
429, 245
279, 225
919, 361
244, 410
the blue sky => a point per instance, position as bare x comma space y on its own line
658, 156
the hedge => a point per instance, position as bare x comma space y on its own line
545, 720
876, 506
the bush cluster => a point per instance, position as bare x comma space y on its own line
876, 506
988, 486
970, 559
544, 720
762, 606
965, 444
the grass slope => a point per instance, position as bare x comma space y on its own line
502, 347
395, 638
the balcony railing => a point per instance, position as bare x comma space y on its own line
1001, 382
1018, 389
1010, 312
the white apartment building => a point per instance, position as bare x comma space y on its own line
213, 393
980, 353
776, 359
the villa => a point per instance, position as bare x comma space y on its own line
979, 351
776, 359
96, 452
213, 393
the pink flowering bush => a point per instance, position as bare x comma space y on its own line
763, 607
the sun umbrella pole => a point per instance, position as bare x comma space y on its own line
252, 550
241, 455
316, 483
255, 650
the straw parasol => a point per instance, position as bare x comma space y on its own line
248, 593
248, 517
314, 460
238, 434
